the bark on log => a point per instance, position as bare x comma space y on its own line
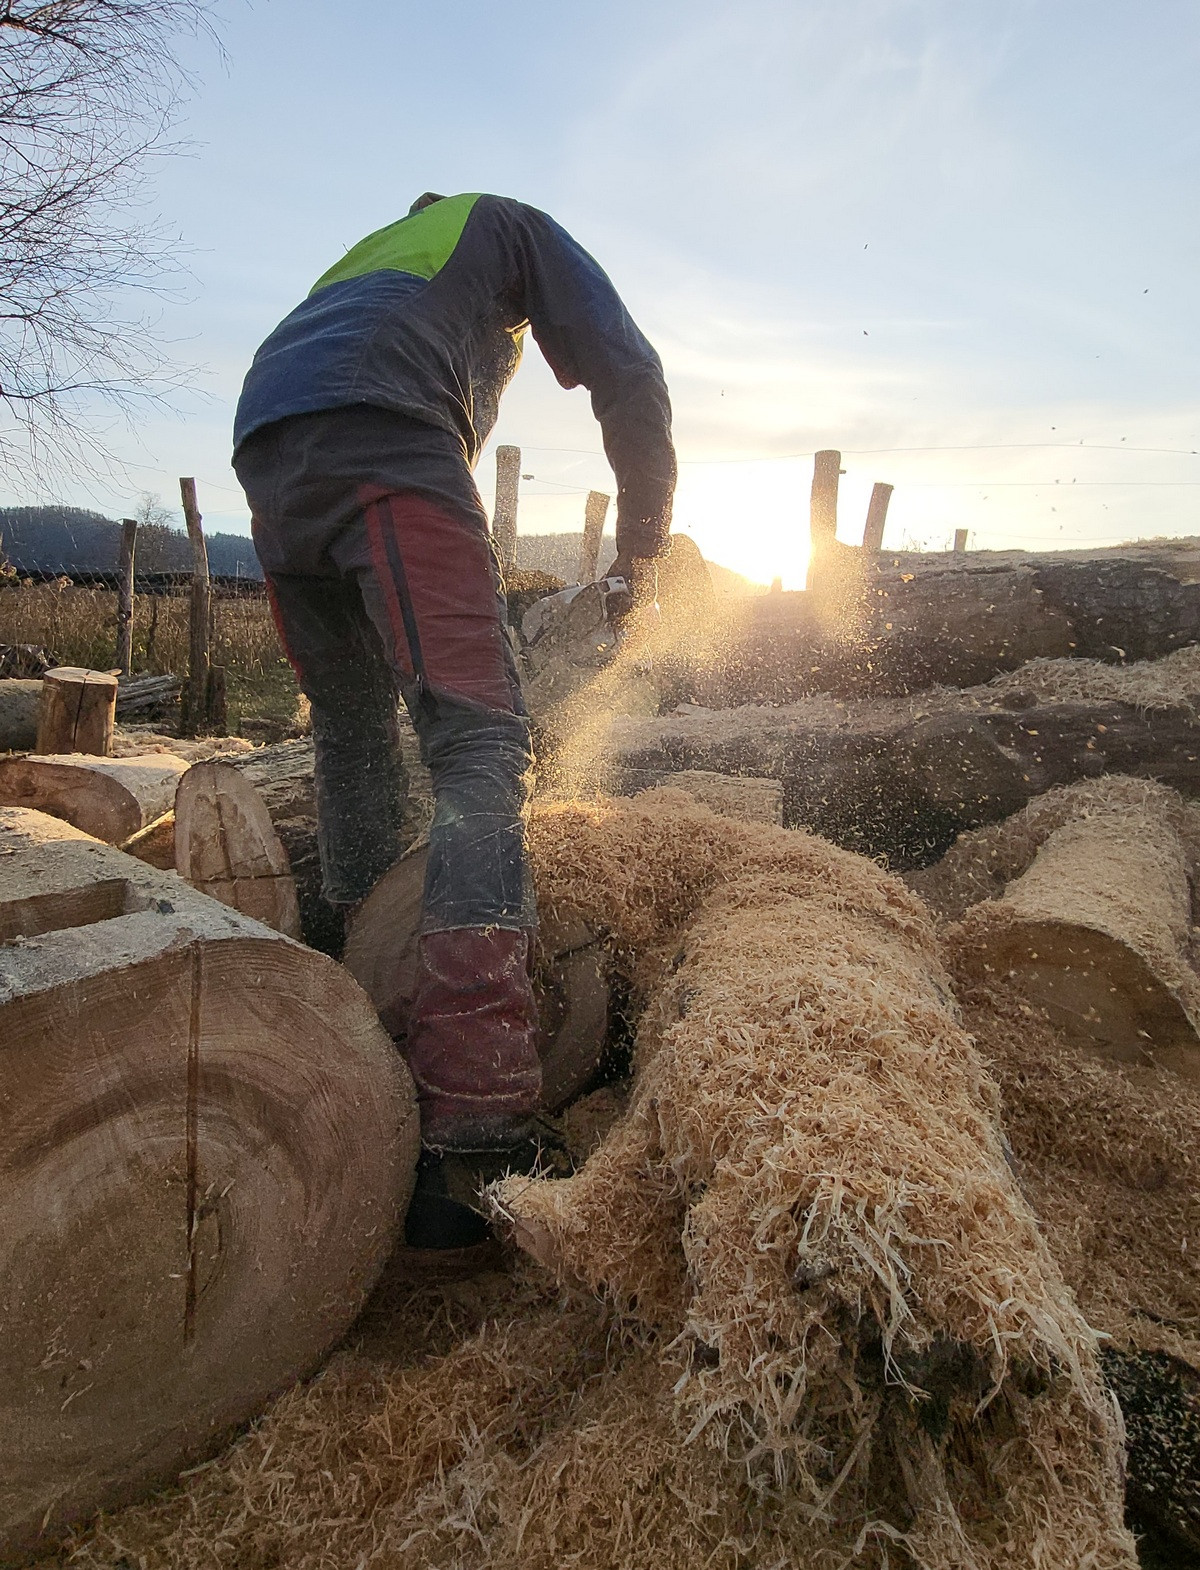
1159, 1396
19, 703
953, 624
207, 1147
146, 695
570, 979
894, 781
226, 847
77, 711
110, 798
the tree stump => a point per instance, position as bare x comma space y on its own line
226, 847
110, 798
570, 979
77, 711
207, 1144
19, 704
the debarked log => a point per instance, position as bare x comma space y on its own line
109, 798
1096, 934
207, 1144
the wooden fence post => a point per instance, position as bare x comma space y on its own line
881, 495
827, 466
197, 687
960, 542
593, 530
125, 596
504, 515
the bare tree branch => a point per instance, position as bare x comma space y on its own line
89, 91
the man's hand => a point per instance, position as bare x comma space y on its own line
635, 622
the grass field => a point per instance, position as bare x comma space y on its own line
79, 627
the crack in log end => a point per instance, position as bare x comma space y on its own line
191, 1140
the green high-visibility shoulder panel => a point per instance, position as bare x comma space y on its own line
419, 244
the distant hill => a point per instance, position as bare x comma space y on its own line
559, 554
72, 539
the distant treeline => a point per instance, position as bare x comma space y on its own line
72, 539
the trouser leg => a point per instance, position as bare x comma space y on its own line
428, 580
343, 670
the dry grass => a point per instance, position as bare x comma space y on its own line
79, 626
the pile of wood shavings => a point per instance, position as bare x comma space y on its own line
818, 1324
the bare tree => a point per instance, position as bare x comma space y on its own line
161, 546
88, 93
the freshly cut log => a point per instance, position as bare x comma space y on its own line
207, 1144
381, 940
77, 712
283, 775
1096, 934
570, 979
19, 703
110, 798
226, 847
155, 844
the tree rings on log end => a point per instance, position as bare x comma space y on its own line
207, 1145
226, 846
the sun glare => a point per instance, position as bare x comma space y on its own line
751, 517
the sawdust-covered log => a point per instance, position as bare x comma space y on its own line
1096, 933
226, 846
109, 798
206, 1146
571, 975
732, 795
808, 1200
19, 703
901, 780
77, 712
902, 625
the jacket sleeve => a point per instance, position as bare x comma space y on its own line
589, 339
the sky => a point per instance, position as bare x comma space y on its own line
958, 240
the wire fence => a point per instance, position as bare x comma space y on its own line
73, 616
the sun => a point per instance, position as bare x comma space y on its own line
751, 517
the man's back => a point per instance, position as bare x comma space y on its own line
426, 317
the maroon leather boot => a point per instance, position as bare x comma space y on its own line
472, 1039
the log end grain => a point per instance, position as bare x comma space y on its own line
109, 798
207, 1149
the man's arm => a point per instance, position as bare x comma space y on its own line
589, 339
